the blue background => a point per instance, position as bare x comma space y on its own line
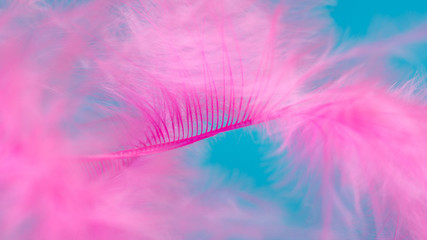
242, 152
238, 159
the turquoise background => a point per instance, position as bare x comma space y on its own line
242, 152
241, 159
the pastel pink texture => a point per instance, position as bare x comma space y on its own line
97, 98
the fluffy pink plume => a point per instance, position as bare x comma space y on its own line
98, 97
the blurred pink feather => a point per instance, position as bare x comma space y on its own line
95, 94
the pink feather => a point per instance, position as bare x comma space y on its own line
94, 95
